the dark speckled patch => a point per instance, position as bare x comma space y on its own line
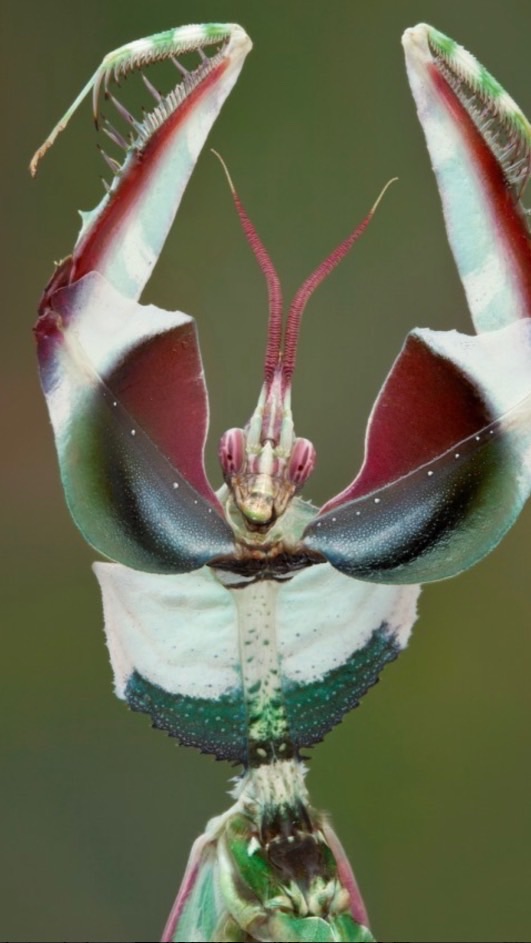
313, 709
216, 727
219, 727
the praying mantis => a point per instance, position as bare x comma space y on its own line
245, 621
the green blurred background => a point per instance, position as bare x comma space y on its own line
429, 782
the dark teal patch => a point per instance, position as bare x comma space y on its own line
313, 709
217, 727
220, 727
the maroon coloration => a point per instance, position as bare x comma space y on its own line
424, 408
274, 291
275, 353
98, 240
195, 862
161, 385
346, 876
306, 290
48, 327
301, 462
507, 214
232, 452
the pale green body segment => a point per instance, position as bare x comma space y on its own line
260, 666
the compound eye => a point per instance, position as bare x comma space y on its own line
301, 462
232, 452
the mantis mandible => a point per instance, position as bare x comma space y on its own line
245, 621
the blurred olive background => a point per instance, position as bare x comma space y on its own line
429, 783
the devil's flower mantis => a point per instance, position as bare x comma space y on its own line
245, 621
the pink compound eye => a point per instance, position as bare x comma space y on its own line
302, 462
232, 452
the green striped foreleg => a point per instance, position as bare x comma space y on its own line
137, 54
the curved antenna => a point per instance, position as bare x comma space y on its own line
274, 291
308, 287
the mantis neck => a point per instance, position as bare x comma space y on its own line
267, 722
273, 787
